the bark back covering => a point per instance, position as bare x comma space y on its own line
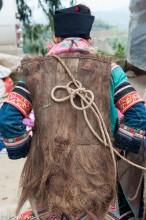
67, 168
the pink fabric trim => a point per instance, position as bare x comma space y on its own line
120, 115
29, 119
72, 45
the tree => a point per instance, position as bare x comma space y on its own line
34, 35
119, 50
24, 12
48, 6
52, 6
49, 11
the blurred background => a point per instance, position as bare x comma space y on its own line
29, 24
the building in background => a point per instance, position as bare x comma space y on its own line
10, 30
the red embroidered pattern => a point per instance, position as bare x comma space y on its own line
131, 132
12, 142
56, 215
52, 215
19, 102
128, 101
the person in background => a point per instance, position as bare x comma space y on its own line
6, 86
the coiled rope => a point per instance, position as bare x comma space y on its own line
87, 101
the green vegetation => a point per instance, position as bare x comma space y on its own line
112, 36
119, 45
100, 52
119, 51
35, 36
113, 41
101, 24
116, 30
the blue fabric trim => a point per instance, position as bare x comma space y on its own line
127, 143
124, 135
19, 151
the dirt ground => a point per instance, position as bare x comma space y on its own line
10, 170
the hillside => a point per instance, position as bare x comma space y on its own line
106, 37
109, 29
119, 18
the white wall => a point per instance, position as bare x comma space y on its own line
8, 22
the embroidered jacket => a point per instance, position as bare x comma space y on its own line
122, 96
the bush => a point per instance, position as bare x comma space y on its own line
34, 39
119, 51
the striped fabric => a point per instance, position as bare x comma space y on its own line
56, 215
111, 216
126, 96
12, 142
20, 98
129, 139
53, 215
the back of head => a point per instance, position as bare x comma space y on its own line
73, 22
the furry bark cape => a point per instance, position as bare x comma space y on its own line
67, 167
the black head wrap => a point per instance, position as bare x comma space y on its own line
73, 22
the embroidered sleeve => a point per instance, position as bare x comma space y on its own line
16, 138
129, 139
18, 147
126, 96
20, 98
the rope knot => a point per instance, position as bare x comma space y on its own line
86, 96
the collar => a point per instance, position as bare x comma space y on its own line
71, 45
